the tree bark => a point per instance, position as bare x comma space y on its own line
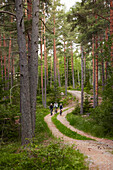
111, 29
33, 72
42, 64
26, 127
82, 81
94, 97
58, 73
1, 58
73, 80
65, 71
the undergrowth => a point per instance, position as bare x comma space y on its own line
44, 153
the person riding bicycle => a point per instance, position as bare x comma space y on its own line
51, 108
61, 107
55, 106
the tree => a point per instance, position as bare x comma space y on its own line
26, 125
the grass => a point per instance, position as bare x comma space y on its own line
44, 153
66, 131
87, 125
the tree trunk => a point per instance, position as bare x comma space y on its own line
65, 71
78, 78
94, 97
42, 64
1, 58
9, 58
96, 39
102, 63
82, 81
45, 60
58, 73
111, 29
51, 73
34, 62
73, 80
4, 43
26, 127
106, 63
84, 67
55, 60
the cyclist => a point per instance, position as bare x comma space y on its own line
61, 107
55, 106
51, 108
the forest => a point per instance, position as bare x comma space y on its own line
52, 55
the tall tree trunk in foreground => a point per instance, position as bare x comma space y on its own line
34, 62
82, 81
26, 127
65, 71
73, 80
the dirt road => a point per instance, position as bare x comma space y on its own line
98, 152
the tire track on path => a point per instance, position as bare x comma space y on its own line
98, 152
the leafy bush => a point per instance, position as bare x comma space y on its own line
53, 156
9, 127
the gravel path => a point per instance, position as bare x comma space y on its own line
98, 152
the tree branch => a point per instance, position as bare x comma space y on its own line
46, 26
103, 17
7, 12
6, 5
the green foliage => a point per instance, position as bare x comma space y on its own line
86, 107
54, 94
42, 131
103, 117
9, 123
99, 123
53, 156
66, 131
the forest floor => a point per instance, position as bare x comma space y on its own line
98, 152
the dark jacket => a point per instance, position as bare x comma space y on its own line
51, 107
